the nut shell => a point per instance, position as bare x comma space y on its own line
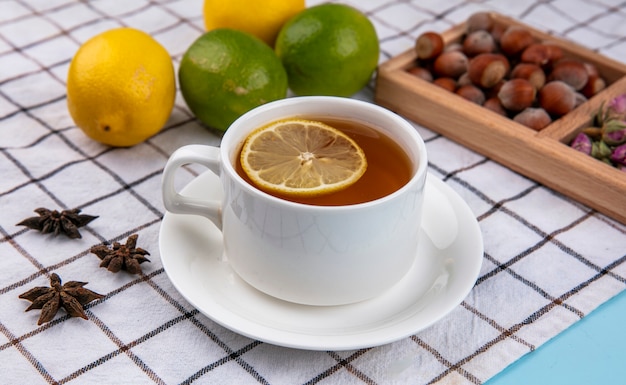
594, 85
478, 42
531, 72
450, 64
591, 69
446, 83
488, 69
479, 21
421, 73
557, 98
497, 31
572, 72
535, 118
494, 105
463, 80
517, 94
472, 93
515, 39
543, 55
429, 45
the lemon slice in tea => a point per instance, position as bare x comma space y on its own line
297, 157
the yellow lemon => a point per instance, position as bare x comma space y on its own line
262, 19
121, 87
298, 157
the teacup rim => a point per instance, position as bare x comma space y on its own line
419, 176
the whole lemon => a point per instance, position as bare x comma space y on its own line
225, 73
329, 49
262, 19
121, 87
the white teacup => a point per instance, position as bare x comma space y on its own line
313, 255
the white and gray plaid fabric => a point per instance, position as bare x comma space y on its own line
548, 260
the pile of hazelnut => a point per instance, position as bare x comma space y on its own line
507, 70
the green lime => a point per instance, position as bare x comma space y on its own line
225, 73
329, 49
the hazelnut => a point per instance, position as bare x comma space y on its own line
429, 45
471, 93
531, 72
515, 39
446, 83
479, 21
497, 31
464, 80
591, 69
421, 73
580, 99
535, 118
572, 72
555, 52
494, 105
517, 94
594, 85
542, 54
451, 64
453, 47
487, 69
557, 98
478, 42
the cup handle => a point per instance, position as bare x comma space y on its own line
177, 203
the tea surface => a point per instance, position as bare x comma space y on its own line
388, 167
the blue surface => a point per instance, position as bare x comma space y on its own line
592, 351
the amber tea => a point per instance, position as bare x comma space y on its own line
389, 167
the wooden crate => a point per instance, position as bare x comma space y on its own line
543, 156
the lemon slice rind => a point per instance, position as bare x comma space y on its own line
302, 158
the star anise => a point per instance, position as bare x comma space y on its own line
52, 221
72, 296
122, 257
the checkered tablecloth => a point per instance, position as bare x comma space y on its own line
548, 260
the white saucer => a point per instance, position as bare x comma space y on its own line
192, 255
